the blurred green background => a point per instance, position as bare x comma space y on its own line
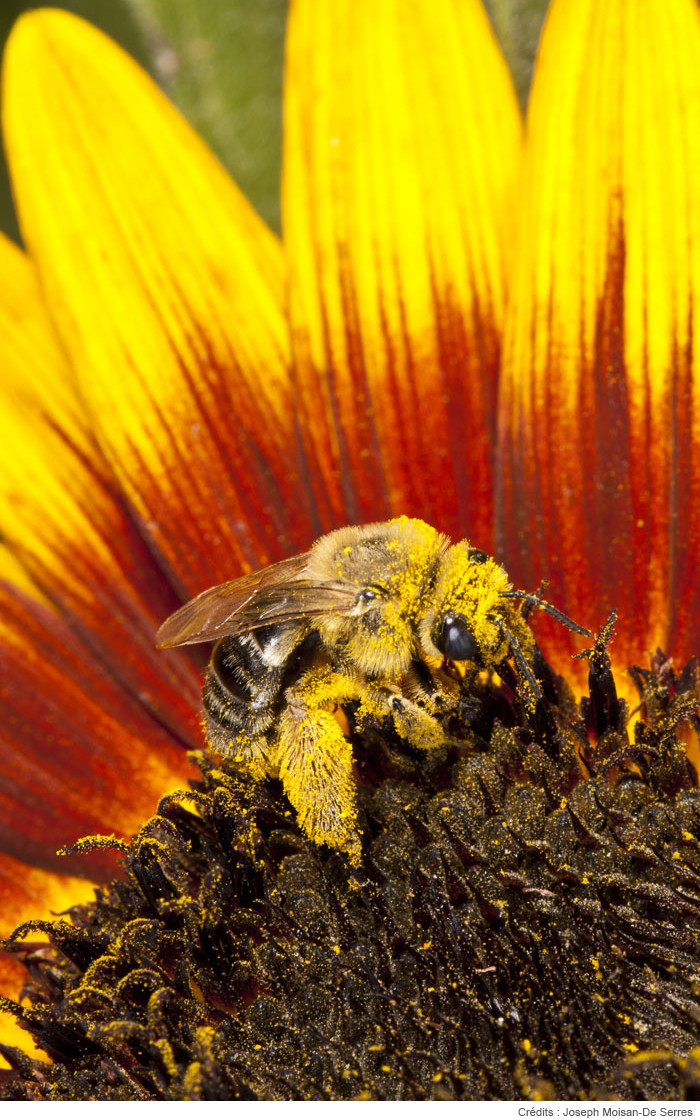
221, 62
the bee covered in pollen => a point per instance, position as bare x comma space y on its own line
356, 621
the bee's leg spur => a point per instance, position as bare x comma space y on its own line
314, 760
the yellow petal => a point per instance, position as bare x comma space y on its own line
43, 435
28, 892
166, 290
600, 417
59, 514
13, 571
402, 139
29, 345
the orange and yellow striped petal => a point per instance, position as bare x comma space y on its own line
13, 571
78, 754
402, 140
61, 516
27, 893
600, 396
166, 291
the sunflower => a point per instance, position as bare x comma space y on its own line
481, 325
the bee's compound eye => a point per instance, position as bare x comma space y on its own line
476, 556
455, 640
366, 595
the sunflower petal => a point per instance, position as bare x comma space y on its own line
600, 410
69, 532
166, 290
29, 345
13, 571
402, 137
78, 755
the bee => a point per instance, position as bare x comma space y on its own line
362, 618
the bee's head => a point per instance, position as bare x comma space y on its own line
468, 611
473, 617
392, 566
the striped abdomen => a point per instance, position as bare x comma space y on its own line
242, 690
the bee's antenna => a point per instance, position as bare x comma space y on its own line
535, 601
520, 661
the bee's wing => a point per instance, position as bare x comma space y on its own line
275, 594
204, 618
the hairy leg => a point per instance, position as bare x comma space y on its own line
314, 759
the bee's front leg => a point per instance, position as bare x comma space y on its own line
413, 706
414, 724
430, 688
314, 759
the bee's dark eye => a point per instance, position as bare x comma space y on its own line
366, 595
476, 556
455, 640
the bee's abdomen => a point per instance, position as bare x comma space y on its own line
241, 691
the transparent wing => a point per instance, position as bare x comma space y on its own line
275, 594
